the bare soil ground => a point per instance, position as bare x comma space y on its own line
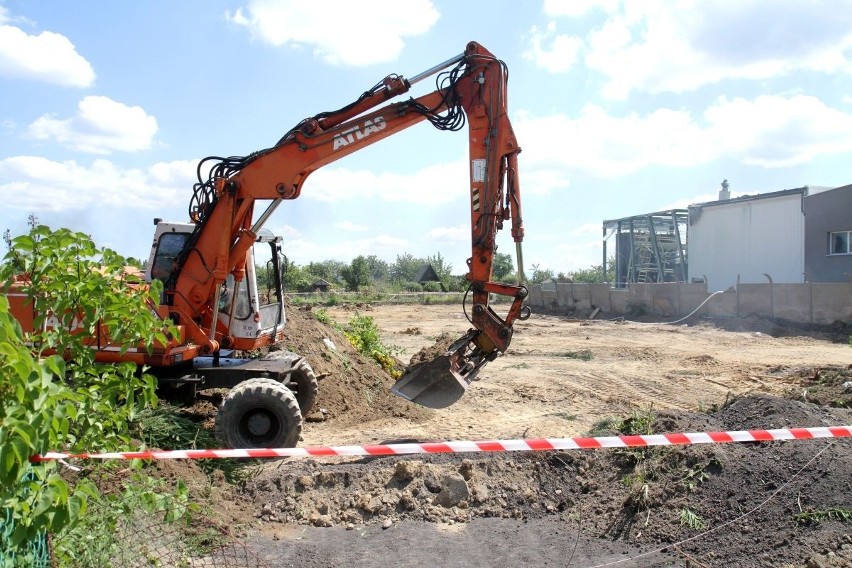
776, 504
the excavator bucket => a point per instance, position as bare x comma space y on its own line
442, 381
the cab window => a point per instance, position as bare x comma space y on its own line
243, 308
168, 249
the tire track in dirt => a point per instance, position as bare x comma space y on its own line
547, 386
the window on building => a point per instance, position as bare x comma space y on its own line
839, 242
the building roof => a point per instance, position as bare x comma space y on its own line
427, 274
755, 197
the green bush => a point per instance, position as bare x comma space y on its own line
363, 333
69, 403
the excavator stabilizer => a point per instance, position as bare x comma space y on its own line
442, 381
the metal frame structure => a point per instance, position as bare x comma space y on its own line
648, 248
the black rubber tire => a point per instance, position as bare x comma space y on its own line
303, 382
259, 413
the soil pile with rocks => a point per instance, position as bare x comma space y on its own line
762, 504
765, 504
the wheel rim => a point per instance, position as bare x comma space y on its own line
259, 427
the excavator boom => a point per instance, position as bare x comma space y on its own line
471, 89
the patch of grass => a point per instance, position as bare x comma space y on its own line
363, 333
691, 519
715, 407
815, 517
694, 477
638, 491
322, 316
564, 416
640, 422
167, 427
141, 506
604, 427
582, 355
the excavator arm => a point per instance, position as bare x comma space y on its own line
471, 88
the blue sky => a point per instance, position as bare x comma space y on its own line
621, 108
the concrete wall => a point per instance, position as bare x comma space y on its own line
819, 303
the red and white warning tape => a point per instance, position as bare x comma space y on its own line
679, 439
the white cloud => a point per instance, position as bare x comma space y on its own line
778, 131
662, 46
48, 56
33, 183
541, 180
578, 8
587, 230
350, 226
340, 33
288, 232
847, 99
611, 146
101, 126
769, 131
685, 202
342, 184
459, 233
555, 52
578, 255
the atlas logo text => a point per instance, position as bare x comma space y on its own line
355, 133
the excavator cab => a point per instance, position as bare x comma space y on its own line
250, 308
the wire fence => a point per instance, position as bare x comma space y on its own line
138, 538
332, 298
35, 553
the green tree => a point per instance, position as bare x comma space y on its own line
442, 268
297, 278
539, 275
405, 268
69, 403
357, 274
379, 269
329, 270
594, 274
503, 267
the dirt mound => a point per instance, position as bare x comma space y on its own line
654, 496
352, 387
427, 354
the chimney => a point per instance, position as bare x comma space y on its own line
725, 193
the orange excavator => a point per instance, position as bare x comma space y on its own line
208, 267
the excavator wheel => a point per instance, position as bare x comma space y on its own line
303, 382
259, 413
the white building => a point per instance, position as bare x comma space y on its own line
748, 239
